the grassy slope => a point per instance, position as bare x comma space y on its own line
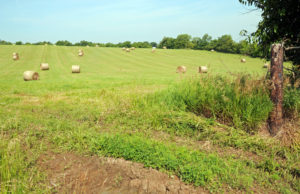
65, 111
112, 65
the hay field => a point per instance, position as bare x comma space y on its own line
59, 129
105, 67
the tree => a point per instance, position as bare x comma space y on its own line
126, 44
83, 43
280, 23
183, 41
42, 43
3, 42
225, 44
153, 44
63, 43
19, 43
110, 45
201, 43
167, 42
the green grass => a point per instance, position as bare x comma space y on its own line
104, 67
134, 106
243, 103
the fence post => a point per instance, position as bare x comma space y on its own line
276, 94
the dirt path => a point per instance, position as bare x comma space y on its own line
71, 173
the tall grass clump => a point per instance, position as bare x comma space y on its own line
242, 102
17, 175
291, 102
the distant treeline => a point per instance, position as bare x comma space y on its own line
224, 43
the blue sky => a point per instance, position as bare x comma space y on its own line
121, 20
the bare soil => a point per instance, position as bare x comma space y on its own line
71, 173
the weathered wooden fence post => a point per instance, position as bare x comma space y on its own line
276, 94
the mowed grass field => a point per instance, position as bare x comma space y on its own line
110, 109
104, 67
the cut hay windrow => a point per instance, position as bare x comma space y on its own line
75, 69
44, 66
30, 75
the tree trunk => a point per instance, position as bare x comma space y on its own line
276, 94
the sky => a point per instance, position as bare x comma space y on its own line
121, 20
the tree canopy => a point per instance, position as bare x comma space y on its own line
280, 23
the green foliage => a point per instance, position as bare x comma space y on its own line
280, 23
167, 42
83, 43
202, 43
183, 41
19, 43
191, 166
3, 42
126, 44
225, 44
42, 43
291, 102
242, 103
144, 44
63, 43
17, 174
153, 44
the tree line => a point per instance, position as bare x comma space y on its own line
225, 43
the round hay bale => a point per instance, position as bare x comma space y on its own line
124, 49
181, 69
75, 69
243, 60
30, 75
16, 57
132, 48
44, 66
266, 65
128, 50
203, 69
97, 45
80, 54
164, 47
212, 50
